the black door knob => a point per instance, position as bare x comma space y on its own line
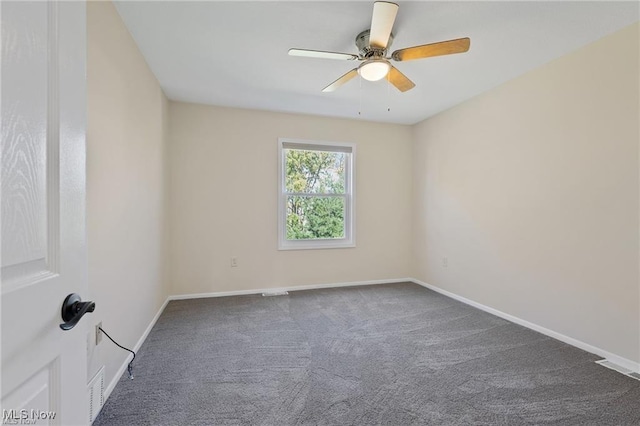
73, 308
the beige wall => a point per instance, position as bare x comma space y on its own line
531, 192
224, 201
126, 173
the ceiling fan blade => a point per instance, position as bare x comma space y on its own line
459, 45
384, 15
342, 80
400, 80
322, 54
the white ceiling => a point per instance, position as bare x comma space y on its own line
235, 53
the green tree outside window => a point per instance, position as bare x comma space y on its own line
315, 186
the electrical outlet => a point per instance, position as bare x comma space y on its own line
234, 262
98, 333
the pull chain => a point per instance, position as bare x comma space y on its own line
388, 93
360, 107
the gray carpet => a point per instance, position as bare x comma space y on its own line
395, 354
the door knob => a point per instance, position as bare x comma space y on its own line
73, 308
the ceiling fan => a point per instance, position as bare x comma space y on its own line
373, 44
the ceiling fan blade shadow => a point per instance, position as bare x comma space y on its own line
340, 81
399, 80
321, 54
449, 47
384, 15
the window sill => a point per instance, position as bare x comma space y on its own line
316, 245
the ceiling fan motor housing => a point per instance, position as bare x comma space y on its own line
367, 51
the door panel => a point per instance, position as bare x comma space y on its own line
25, 143
33, 399
43, 116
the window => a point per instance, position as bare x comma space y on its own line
316, 195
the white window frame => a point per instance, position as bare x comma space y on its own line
350, 196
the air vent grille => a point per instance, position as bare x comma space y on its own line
275, 293
95, 389
618, 368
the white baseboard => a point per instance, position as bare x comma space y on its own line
282, 289
623, 362
123, 367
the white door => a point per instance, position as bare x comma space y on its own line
43, 257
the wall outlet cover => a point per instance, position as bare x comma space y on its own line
98, 333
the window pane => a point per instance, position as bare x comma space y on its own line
312, 218
317, 172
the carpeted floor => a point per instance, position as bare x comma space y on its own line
395, 354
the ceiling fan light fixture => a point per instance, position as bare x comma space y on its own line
374, 69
